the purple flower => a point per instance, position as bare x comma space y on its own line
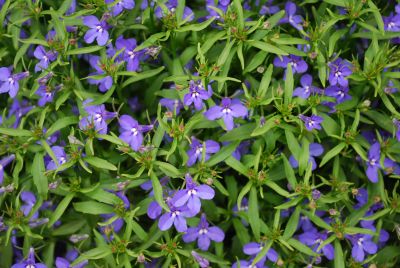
121, 5
196, 95
339, 70
61, 158
340, 93
70, 257
131, 57
19, 109
171, 6
44, 57
396, 123
46, 94
203, 262
104, 83
29, 262
227, 110
132, 132
254, 248
307, 88
291, 17
315, 150
195, 152
374, 154
192, 195
9, 82
172, 105
312, 122
361, 244
176, 216
203, 234
392, 23
118, 223
3, 163
314, 239
96, 118
29, 200
98, 30
268, 8
242, 149
297, 63
391, 167
248, 264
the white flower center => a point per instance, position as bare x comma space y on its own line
199, 150
338, 73
203, 231
226, 110
99, 29
192, 192
134, 131
62, 160
30, 266
11, 80
175, 213
372, 162
195, 94
98, 117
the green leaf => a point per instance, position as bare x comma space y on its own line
253, 212
99, 163
168, 169
102, 196
93, 207
240, 133
263, 252
339, 259
242, 193
332, 153
288, 85
236, 165
268, 125
158, 191
83, 50
222, 154
301, 247
15, 132
195, 27
39, 178
61, 123
289, 172
68, 228
277, 188
291, 203
341, 3
265, 81
292, 224
267, 47
317, 220
293, 144
143, 75
93, 254
62, 206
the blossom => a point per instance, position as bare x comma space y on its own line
171, 6
98, 30
315, 149
249, 264
227, 110
176, 216
29, 262
268, 8
203, 233
392, 23
203, 262
46, 94
10, 82
254, 248
192, 195
130, 56
44, 57
312, 122
69, 258
314, 239
118, 223
195, 152
307, 88
373, 165
340, 93
120, 5
132, 132
3, 163
96, 118
391, 167
291, 17
29, 200
297, 63
362, 243
61, 158
172, 105
339, 70
105, 82
396, 123
196, 95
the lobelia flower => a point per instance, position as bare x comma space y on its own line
10, 82
131, 57
192, 194
391, 167
203, 234
227, 110
196, 95
362, 243
374, 154
69, 258
46, 94
291, 17
195, 152
171, 6
132, 132
312, 122
172, 105
314, 239
392, 22
3, 163
298, 64
29, 262
203, 262
104, 83
98, 30
307, 88
29, 200
19, 109
44, 57
390, 88
249, 264
96, 118
221, 4
118, 223
242, 149
315, 150
340, 93
120, 6
396, 123
268, 8
254, 248
339, 70
61, 158
176, 216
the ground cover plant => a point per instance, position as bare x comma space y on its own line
243, 133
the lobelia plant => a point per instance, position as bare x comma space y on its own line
204, 133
